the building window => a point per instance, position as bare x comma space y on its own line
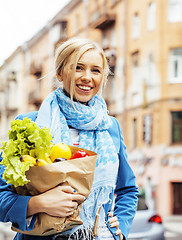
175, 11
109, 38
175, 66
147, 129
135, 61
150, 70
151, 16
135, 71
134, 133
176, 127
136, 26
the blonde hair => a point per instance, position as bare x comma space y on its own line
76, 47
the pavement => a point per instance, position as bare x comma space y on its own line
5, 231
173, 223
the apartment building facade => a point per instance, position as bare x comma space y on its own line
142, 41
154, 103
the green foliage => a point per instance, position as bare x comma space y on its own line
25, 138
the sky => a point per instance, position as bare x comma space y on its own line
20, 20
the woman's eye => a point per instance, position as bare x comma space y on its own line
79, 68
96, 70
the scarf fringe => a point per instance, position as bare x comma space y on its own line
97, 198
79, 233
82, 233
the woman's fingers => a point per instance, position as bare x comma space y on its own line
113, 219
110, 214
60, 201
118, 232
66, 189
72, 205
113, 222
78, 198
74, 196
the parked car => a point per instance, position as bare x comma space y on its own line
147, 225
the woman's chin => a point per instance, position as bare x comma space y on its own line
83, 100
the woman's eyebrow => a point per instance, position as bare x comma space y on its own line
80, 64
96, 66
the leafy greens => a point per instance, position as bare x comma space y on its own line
25, 138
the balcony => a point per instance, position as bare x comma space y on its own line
102, 21
62, 29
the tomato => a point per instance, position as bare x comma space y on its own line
79, 154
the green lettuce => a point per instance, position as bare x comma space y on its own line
25, 138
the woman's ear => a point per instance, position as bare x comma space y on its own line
59, 77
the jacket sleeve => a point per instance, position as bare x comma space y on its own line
13, 207
126, 190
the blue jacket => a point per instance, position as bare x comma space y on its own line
13, 207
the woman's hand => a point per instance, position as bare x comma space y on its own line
113, 222
60, 201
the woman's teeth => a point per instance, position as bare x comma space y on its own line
84, 88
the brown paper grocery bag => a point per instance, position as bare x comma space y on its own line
78, 173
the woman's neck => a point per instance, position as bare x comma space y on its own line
74, 99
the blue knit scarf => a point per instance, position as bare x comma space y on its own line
57, 112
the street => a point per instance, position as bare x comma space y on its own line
173, 227
172, 236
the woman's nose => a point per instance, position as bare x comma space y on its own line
87, 75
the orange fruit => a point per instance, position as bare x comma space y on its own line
60, 150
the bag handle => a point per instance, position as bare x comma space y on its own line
96, 223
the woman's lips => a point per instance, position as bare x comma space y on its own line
84, 87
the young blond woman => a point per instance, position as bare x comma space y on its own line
77, 115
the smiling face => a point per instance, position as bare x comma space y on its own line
87, 77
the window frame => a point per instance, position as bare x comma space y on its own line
173, 58
147, 126
134, 142
173, 142
151, 16
136, 26
177, 17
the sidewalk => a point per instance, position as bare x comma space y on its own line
173, 223
5, 231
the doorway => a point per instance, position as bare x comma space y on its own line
177, 198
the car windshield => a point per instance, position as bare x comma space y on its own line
141, 204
